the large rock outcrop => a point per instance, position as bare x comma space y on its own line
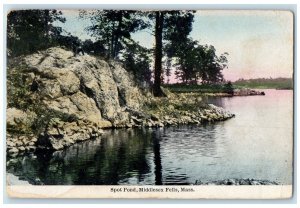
85, 83
95, 91
72, 99
18, 119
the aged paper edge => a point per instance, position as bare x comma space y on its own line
169, 192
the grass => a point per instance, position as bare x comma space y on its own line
182, 88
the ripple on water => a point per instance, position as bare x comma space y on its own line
251, 145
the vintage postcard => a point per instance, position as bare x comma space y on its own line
177, 104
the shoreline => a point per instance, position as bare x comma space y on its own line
235, 93
175, 109
12, 179
238, 182
20, 144
60, 105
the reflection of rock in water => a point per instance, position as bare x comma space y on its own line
218, 101
133, 156
120, 154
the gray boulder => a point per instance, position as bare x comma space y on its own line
97, 92
19, 119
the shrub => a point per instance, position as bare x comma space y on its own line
228, 88
18, 88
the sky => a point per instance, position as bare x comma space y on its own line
259, 43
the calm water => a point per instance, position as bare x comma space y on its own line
257, 143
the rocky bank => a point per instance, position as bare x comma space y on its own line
237, 92
235, 181
69, 99
247, 92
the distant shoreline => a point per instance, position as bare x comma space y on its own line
254, 84
218, 89
263, 83
267, 88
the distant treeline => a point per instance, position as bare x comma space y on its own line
228, 87
265, 83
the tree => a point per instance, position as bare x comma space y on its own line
159, 21
113, 27
31, 30
194, 62
228, 88
185, 58
168, 65
67, 40
96, 48
137, 60
211, 66
171, 27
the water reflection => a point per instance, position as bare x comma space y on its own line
218, 101
117, 156
247, 146
135, 156
186, 151
156, 135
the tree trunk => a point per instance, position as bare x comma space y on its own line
159, 19
111, 53
117, 37
47, 30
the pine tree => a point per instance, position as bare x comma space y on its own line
113, 27
170, 27
31, 30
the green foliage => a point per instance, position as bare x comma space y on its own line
167, 69
137, 60
175, 104
18, 88
45, 115
189, 107
31, 30
171, 27
228, 88
177, 25
67, 41
203, 88
194, 62
113, 27
96, 48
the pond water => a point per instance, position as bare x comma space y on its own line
256, 143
